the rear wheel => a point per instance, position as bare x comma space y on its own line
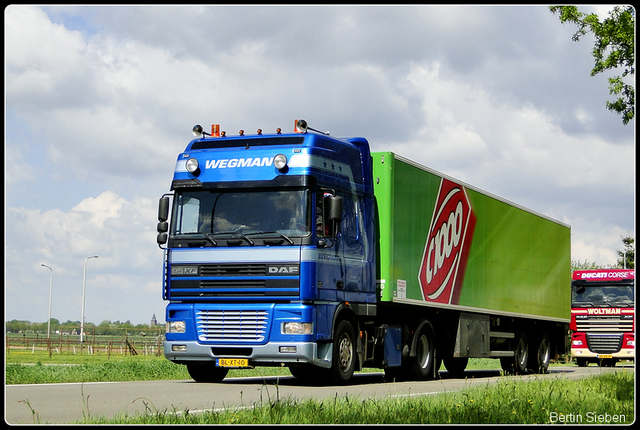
423, 366
519, 363
543, 355
206, 373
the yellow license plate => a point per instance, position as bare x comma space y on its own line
605, 356
232, 362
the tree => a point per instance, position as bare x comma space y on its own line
615, 36
586, 265
627, 256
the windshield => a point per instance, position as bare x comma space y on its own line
241, 212
603, 296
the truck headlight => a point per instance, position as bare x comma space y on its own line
576, 343
192, 166
297, 328
176, 327
280, 161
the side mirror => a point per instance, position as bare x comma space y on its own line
163, 209
163, 216
333, 208
333, 214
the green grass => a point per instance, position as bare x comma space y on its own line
40, 368
510, 400
607, 397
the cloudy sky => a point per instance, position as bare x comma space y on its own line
100, 100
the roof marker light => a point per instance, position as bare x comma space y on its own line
215, 130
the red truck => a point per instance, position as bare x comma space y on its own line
602, 316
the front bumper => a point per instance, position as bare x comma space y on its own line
270, 354
623, 354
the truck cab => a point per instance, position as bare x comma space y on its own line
270, 244
602, 316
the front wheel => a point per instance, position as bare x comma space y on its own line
206, 373
344, 353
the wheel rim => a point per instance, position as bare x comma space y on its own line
544, 353
521, 353
345, 352
423, 355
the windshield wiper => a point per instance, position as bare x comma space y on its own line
236, 234
284, 236
213, 241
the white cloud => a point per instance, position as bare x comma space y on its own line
100, 101
121, 232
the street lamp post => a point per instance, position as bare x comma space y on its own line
84, 285
50, 289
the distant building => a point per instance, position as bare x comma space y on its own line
154, 321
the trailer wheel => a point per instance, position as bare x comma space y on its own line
206, 373
543, 355
521, 357
344, 352
422, 367
517, 364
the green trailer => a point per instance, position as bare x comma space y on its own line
308, 251
488, 275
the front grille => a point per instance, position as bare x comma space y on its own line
233, 270
604, 343
236, 281
605, 323
233, 325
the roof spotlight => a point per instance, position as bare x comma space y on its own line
301, 126
198, 131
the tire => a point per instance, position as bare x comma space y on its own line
344, 357
521, 357
456, 365
206, 373
582, 362
423, 365
308, 373
543, 355
518, 364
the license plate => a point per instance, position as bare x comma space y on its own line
232, 362
605, 356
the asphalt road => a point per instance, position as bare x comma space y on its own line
69, 403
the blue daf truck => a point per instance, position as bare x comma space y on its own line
308, 251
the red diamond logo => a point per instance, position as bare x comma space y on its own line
447, 247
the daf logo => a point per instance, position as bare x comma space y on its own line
287, 269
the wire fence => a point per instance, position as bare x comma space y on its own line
149, 342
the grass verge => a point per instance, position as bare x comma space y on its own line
607, 398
